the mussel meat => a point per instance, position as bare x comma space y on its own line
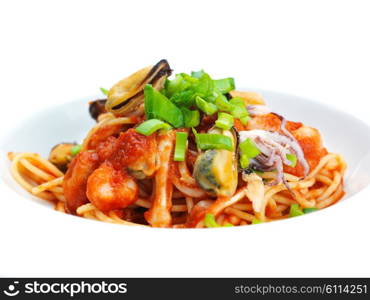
216, 171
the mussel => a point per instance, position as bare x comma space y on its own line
60, 155
126, 97
97, 107
216, 171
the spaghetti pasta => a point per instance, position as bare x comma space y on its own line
130, 178
238, 206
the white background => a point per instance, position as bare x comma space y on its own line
57, 51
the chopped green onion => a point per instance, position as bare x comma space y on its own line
244, 161
201, 90
204, 106
239, 111
178, 84
207, 141
224, 121
238, 108
225, 85
292, 158
210, 222
150, 126
104, 91
256, 221
183, 98
190, 79
237, 101
75, 150
223, 104
191, 117
249, 148
180, 148
295, 211
197, 74
205, 86
158, 106
184, 88
308, 210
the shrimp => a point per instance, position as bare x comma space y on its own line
75, 180
104, 176
109, 188
308, 138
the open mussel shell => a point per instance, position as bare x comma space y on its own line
216, 171
60, 155
97, 107
126, 97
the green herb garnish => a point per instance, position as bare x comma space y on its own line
210, 222
150, 126
224, 121
206, 141
158, 106
75, 150
180, 148
292, 158
295, 211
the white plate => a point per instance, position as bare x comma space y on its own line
40, 241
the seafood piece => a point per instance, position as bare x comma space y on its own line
159, 214
97, 107
75, 180
274, 148
60, 155
109, 188
255, 191
137, 152
250, 98
184, 182
126, 97
216, 170
308, 139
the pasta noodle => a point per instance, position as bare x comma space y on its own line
128, 173
48, 186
